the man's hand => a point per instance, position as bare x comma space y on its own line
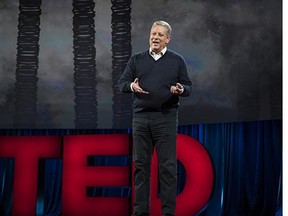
177, 89
137, 88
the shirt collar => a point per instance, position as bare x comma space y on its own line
162, 52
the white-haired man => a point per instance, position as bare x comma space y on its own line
156, 77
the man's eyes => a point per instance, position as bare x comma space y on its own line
161, 35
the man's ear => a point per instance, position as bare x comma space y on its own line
168, 40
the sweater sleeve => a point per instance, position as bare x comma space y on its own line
183, 78
127, 77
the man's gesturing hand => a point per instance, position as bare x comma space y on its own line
177, 89
137, 88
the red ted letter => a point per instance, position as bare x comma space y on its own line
199, 178
77, 175
27, 151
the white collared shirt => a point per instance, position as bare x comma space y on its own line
157, 56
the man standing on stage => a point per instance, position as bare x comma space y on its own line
156, 77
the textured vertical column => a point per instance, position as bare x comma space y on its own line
27, 63
121, 52
84, 64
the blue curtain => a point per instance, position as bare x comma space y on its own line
247, 160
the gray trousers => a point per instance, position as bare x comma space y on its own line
156, 130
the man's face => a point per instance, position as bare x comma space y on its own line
158, 38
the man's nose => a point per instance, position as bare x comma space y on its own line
156, 36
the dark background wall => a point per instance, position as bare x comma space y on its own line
233, 50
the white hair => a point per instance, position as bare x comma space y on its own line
165, 24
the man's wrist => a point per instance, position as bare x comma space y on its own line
131, 87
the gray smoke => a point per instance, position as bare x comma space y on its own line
232, 49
